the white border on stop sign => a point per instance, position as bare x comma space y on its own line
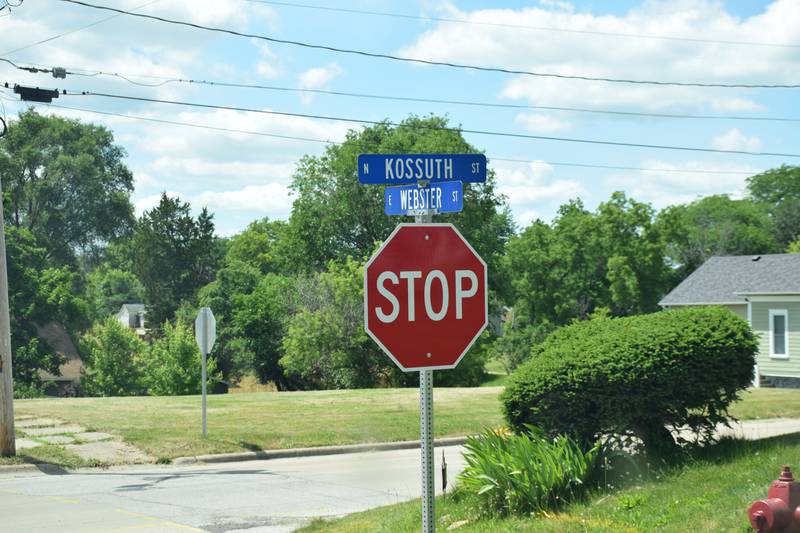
485, 295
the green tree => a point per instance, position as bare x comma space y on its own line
107, 288
113, 358
325, 346
714, 225
261, 317
256, 246
794, 247
173, 364
65, 182
232, 350
778, 189
39, 294
174, 255
611, 258
334, 217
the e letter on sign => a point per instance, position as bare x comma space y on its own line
425, 296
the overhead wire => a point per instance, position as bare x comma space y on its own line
69, 32
519, 26
393, 57
330, 142
215, 83
395, 124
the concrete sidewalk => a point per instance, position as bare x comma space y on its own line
761, 429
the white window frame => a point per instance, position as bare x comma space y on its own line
785, 314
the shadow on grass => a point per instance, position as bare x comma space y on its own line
730, 448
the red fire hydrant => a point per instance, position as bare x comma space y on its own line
780, 512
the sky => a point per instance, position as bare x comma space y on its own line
242, 177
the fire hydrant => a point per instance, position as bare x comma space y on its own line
780, 512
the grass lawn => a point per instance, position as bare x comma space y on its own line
709, 496
169, 427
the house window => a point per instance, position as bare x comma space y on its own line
778, 333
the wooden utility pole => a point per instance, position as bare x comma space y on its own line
7, 444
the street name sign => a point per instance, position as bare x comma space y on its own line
425, 296
403, 169
443, 197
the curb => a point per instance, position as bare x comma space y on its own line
312, 452
27, 468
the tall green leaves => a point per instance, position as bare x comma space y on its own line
526, 473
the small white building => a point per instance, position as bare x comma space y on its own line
132, 316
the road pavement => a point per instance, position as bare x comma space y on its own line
272, 496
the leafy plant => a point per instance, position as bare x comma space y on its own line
112, 355
527, 472
635, 376
173, 363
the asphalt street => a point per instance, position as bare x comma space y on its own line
272, 496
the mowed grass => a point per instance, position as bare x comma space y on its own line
768, 403
169, 427
710, 495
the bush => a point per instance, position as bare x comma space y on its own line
525, 473
112, 356
173, 364
634, 376
514, 347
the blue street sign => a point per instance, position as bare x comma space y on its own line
442, 197
400, 169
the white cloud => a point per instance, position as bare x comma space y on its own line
623, 57
542, 123
317, 78
273, 200
662, 186
531, 189
268, 67
734, 139
736, 104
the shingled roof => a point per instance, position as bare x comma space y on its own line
728, 279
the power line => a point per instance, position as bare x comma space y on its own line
431, 62
213, 83
460, 130
58, 36
519, 26
327, 142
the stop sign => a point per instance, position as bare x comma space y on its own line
425, 296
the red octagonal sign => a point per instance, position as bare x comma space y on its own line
425, 296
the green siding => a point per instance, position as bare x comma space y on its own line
739, 310
768, 366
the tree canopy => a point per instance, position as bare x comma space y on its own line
65, 182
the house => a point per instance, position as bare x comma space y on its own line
132, 316
765, 291
67, 382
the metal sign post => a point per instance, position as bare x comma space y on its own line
205, 333
426, 430
418, 327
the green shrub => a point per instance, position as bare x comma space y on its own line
525, 473
112, 357
173, 365
634, 376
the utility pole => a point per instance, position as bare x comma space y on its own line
7, 444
